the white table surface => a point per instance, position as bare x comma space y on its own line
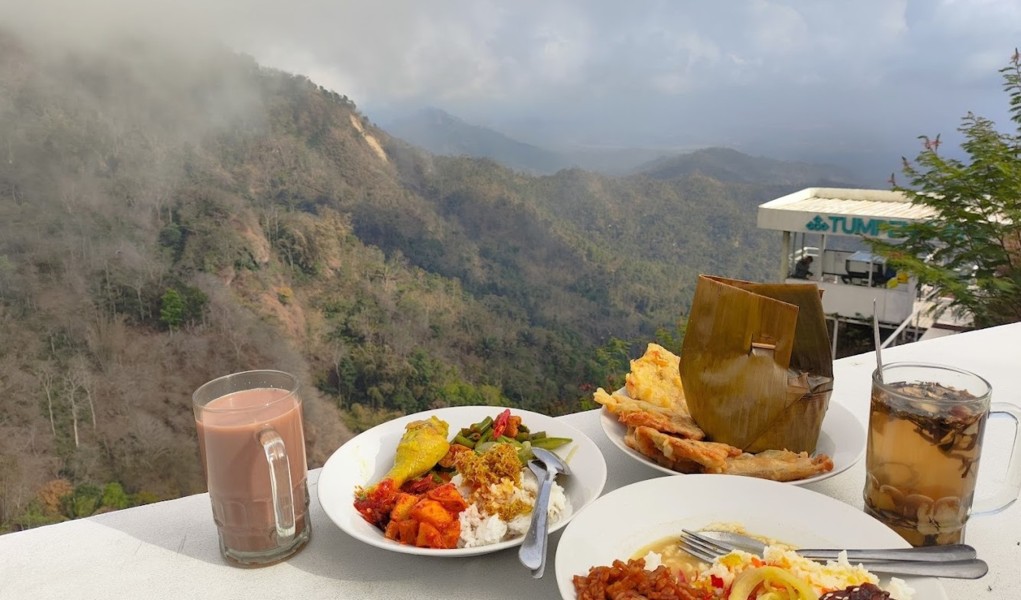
169, 549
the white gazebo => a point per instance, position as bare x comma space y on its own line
829, 224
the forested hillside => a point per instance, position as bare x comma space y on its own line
168, 216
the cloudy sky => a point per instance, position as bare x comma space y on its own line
788, 78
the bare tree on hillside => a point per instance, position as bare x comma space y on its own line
82, 374
106, 338
48, 381
154, 440
141, 270
229, 321
76, 379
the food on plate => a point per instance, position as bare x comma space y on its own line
430, 520
476, 492
779, 574
655, 378
688, 456
865, 591
780, 568
506, 428
680, 454
424, 443
671, 438
756, 363
634, 413
632, 580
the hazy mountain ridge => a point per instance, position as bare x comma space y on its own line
726, 164
441, 133
169, 216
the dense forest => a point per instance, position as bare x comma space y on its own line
170, 215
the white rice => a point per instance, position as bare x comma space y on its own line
481, 529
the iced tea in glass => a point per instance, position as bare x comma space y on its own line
926, 428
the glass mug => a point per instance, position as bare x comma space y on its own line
252, 444
926, 427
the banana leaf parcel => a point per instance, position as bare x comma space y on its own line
756, 364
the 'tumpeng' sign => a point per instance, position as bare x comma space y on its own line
848, 225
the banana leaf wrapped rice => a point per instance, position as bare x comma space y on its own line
756, 363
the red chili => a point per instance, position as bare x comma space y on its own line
500, 423
716, 581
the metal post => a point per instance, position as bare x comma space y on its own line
785, 262
836, 327
822, 261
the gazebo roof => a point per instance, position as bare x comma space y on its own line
840, 211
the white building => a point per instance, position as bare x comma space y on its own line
829, 224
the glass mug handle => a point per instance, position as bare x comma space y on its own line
280, 481
1008, 492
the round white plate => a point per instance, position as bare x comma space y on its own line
842, 437
364, 459
623, 521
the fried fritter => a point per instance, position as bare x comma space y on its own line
656, 378
780, 465
635, 413
716, 457
711, 456
646, 447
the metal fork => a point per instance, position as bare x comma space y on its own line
889, 561
724, 541
532, 553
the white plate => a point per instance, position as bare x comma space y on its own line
364, 459
842, 437
623, 521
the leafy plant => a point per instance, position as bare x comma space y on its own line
83, 501
180, 307
969, 251
172, 309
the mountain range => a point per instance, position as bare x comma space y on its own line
441, 133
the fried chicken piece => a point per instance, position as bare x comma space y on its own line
637, 413
716, 457
779, 465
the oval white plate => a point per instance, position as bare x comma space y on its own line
842, 437
364, 459
623, 521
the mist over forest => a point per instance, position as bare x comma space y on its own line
171, 214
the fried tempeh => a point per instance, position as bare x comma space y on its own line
637, 413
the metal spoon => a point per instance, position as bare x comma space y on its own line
532, 553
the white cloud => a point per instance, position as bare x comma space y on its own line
621, 68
